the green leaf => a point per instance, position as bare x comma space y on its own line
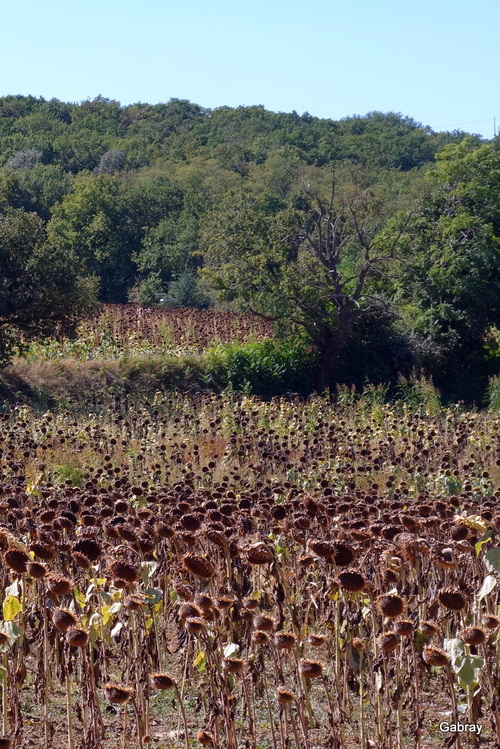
200, 662
79, 597
492, 560
11, 608
153, 596
467, 667
108, 611
486, 537
12, 590
455, 649
148, 569
12, 631
487, 586
3, 673
99, 581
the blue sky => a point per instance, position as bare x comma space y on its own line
436, 61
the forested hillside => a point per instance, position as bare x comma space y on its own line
373, 237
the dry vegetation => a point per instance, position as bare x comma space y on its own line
222, 571
129, 330
126, 349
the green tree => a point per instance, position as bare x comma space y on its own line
93, 223
42, 288
311, 265
104, 221
42, 187
449, 281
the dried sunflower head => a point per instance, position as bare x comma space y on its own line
198, 566
435, 657
391, 605
310, 669
285, 640
63, 619
285, 696
233, 665
388, 641
77, 637
473, 635
163, 681
454, 600
351, 580
117, 694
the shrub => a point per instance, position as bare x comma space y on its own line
265, 368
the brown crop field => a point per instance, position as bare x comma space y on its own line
222, 571
128, 329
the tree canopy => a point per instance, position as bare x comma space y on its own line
43, 290
172, 203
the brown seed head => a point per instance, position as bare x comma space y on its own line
122, 570
264, 623
198, 566
203, 601
259, 554
343, 553
183, 590
194, 625
89, 547
310, 669
490, 621
358, 644
321, 548
16, 559
163, 681
260, 638
403, 627
204, 738
233, 665
428, 628
388, 641
454, 600
306, 560
58, 585
391, 605
36, 570
63, 619
132, 602
285, 696
188, 609
435, 657
81, 560
117, 694
43, 551
77, 637
251, 604
285, 640
473, 635
223, 603
351, 580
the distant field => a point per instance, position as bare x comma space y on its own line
127, 329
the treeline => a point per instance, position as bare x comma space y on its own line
347, 233
127, 188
